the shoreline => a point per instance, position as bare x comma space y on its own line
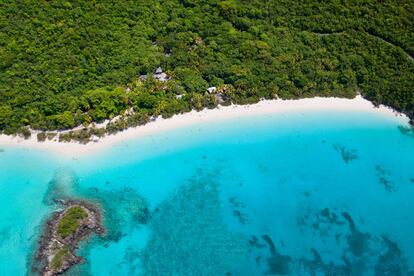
74, 149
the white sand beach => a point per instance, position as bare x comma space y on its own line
74, 149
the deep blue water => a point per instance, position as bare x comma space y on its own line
312, 193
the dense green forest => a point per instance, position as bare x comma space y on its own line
68, 63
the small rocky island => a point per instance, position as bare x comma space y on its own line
62, 234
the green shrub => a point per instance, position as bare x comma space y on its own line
70, 222
57, 260
41, 137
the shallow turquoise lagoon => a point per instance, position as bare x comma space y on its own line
312, 193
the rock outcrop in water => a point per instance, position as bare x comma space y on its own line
62, 234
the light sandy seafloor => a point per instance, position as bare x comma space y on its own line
74, 149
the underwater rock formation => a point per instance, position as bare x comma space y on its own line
391, 262
189, 237
361, 253
125, 209
237, 211
347, 155
277, 263
358, 241
61, 188
407, 130
384, 178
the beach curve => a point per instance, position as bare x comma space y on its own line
75, 149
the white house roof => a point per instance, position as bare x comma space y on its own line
158, 71
211, 89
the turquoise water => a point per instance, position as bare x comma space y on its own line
314, 193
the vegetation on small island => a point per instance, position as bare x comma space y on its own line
70, 222
62, 233
57, 260
65, 64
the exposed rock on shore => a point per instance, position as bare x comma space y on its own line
62, 234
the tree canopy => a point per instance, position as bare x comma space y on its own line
67, 63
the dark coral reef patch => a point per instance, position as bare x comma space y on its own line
188, 236
347, 154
